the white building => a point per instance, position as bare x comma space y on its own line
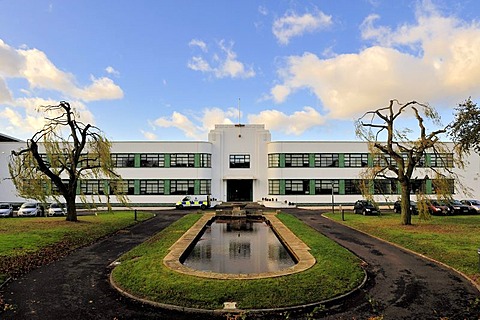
241, 163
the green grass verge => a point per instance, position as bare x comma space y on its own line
29, 242
453, 240
143, 274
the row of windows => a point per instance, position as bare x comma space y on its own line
147, 160
350, 186
351, 160
146, 187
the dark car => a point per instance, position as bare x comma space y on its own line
439, 208
397, 207
474, 205
365, 207
458, 208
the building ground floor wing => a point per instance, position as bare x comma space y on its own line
241, 163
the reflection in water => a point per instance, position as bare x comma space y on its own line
239, 246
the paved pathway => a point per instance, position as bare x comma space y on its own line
401, 285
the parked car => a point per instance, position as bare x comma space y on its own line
413, 207
365, 207
473, 205
458, 208
56, 209
6, 210
439, 208
30, 209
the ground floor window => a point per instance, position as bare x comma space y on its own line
152, 187
297, 186
273, 186
182, 187
122, 187
92, 187
326, 186
205, 187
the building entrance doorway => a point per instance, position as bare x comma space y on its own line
239, 190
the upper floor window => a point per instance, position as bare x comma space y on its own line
328, 160
205, 160
296, 160
182, 160
441, 160
356, 159
274, 160
122, 160
152, 160
239, 161
383, 160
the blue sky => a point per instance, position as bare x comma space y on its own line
170, 70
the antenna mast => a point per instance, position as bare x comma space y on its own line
239, 111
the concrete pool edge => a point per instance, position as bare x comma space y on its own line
296, 246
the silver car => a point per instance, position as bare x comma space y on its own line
6, 210
30, 209
56, 209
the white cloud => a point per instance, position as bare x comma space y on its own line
5, 93
198, 43
100, 89
149, 135
262, 10
223, 64
179, 121
292, 25
296, 123
436, 59
111, 70
198, 126
199, 64
33, 66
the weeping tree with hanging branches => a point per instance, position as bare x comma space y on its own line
60, 156
397, 156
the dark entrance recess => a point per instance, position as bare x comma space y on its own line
239, 190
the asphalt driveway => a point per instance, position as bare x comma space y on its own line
400, 286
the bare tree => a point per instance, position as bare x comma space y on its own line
61, 155
396, 156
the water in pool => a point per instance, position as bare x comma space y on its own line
239, 246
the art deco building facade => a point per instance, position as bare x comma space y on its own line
241, 163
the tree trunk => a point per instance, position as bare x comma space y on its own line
71, 207
406, 215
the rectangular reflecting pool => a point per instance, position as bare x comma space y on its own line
238, 246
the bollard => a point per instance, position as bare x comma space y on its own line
478, 251
135, 214
343, 214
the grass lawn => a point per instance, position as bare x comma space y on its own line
29, 242
453, 240
142, 273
